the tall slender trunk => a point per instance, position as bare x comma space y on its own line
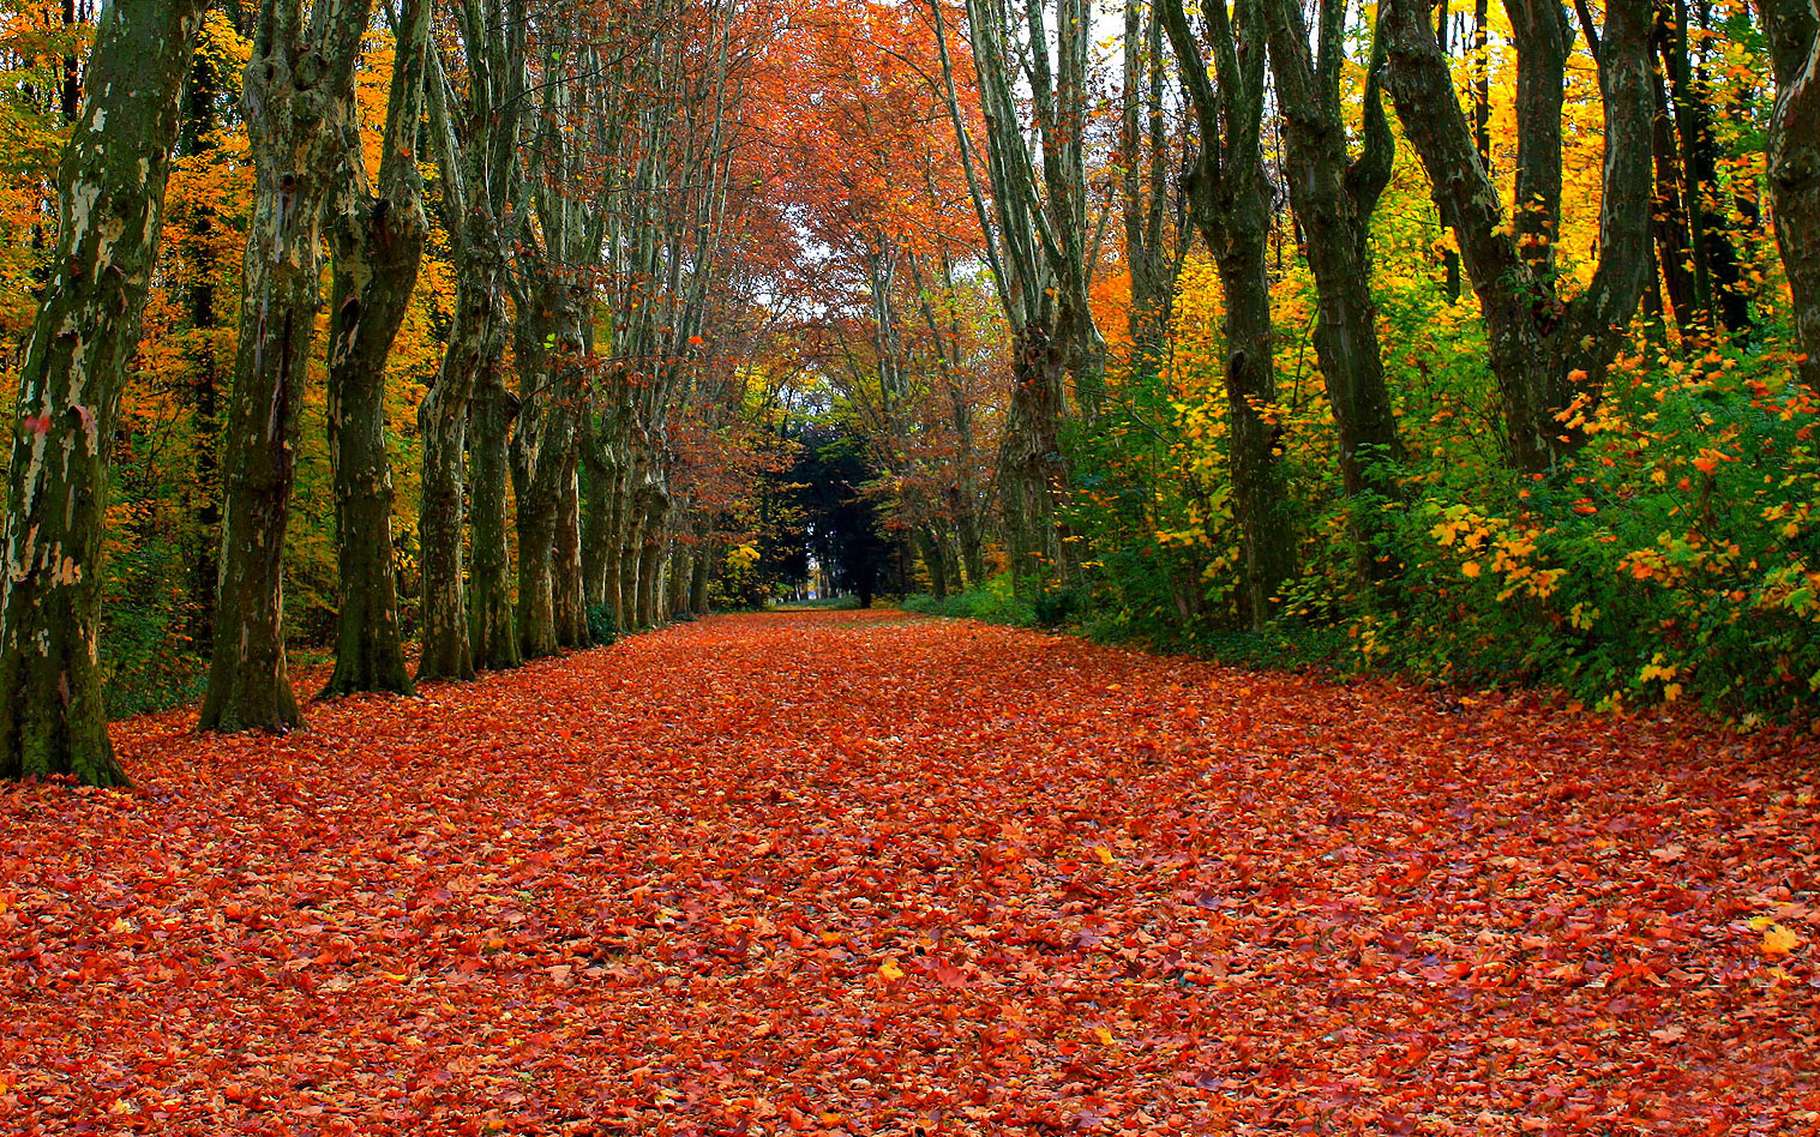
476, 346
297, 88
651, 551
1334, 198
1230, 205
549, 348
1668, 211
111, 182
1794, 166
1718, 278
493, 628
698, 579
570, 599
1032, 472
378, 245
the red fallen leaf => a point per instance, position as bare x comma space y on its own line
1345, 920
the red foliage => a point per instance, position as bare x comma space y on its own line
856, 874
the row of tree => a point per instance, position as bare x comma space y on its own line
580, 174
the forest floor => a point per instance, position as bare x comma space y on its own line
864, 873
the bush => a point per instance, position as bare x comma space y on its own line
603, 629
994, 602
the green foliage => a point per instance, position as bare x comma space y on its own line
994, 602
1675, 557
145, 655
603, 628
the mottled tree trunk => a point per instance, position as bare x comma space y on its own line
1032, 472
651, 552
493, 628
1668, 212
680, 572
1794, 166
700, 569
570, 594
548, 347
378, 245
1718, 280
111, 182
931, 551
1259, 493
296, 91
599, 541
973, 548
631, 541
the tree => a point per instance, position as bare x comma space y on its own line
1230, 204
297, 89
1039, 245
378, 244
477, 139
1549, 352
1334, 196
1794, 165
110, 205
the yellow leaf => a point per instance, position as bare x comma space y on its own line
1470, 570
1779, 941
890, 970
1104, 1035
1104, 854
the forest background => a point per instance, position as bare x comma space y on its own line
1458, 343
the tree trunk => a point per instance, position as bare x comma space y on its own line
1260, 496
378, 244
1718, 280
549, 348
111, 182
295, 95
1229, 200
931, 551
656, 502
570, 594
476, 347
493, 627
1334, 198
698, 580
1668, 213
1794, 167
1032, 472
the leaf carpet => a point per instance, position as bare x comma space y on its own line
861, 873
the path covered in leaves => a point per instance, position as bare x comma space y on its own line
870, 874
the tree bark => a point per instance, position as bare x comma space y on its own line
476, 344
493, 629
477, 149
549, 349
111, 182
698, 580
297, 87
378, 246
1668, 216
570, 594
1794, 166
